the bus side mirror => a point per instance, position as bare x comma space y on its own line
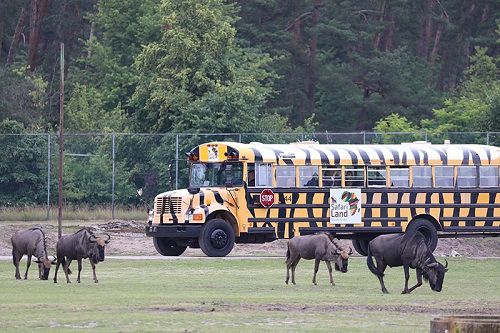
193, 190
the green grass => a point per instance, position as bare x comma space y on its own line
83, 213
213, 295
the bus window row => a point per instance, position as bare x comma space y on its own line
373, 176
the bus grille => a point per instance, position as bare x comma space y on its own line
165, 203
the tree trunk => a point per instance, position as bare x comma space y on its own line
311, 72
426, 32
437, 39
91, 38
17, 36
37, 13
389, 35
378, 36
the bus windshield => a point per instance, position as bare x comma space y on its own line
216, 174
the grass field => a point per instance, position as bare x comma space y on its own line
243, 295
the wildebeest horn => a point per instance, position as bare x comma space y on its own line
92, 239
53, 261
446, 264
350, 250
107, 240
433, 264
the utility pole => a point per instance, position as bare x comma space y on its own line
61, 144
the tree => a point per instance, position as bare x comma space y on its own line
197, 78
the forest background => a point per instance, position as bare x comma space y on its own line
214, 66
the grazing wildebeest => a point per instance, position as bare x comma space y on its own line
319, 247
31, 242
80, 245
407, 250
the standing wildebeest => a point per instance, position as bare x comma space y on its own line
319, 247
31, 242
80, 245
407, 250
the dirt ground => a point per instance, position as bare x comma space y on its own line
128, 238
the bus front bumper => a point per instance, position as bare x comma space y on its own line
173, 230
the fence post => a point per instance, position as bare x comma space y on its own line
48, 177
488, 138
113, 178
364, 137
176, 159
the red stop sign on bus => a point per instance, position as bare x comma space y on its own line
267, 198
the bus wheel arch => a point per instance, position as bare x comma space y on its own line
226, 216
217, 238
428, 226
168, 246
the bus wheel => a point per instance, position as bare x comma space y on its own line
168, 247
361, 246
427, 229
216, 238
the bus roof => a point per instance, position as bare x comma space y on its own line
310, 153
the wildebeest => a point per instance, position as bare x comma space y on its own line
407, 250
319, 247
31, 242
80, 245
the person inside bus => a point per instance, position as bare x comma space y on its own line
251, 178
348, 179
313, 181
332, 178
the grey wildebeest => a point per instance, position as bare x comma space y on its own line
80, 245
410, 251
320, 247
31, 242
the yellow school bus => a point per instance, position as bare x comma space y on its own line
255, 193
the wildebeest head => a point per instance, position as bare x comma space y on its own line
342, 258
44, 267
96, 248
434, 272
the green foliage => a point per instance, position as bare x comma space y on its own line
197, 78
23, 165
395, 123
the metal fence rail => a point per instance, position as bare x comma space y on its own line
105, 168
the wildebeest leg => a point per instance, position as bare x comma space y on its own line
329, 265
316, 267
294, 265
381, 266
419, 281
288, 265
406, 269
79, 269
16, 259
28, 264
66, 269
59, 260
93, 270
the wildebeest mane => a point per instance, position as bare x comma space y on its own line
43, 240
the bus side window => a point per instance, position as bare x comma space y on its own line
376, 176
285, 176
443, 176
332, 176
251, 174
466, 176
308, 175
400, 177
354, 176
263, 175
488, 176
422, 176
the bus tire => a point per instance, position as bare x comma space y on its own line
427, 229
168, 247
361, 246
216, 238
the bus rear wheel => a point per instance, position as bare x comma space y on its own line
361, 246
216, 238
427, 229
168, 247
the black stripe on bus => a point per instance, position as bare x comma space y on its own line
416, 155
395, 156
388, 205
308, 155
442, 155
384, 210
354, 157
202, 197
324, 158
488, 154
364, 156
336, 156
257, 155
281, 214
310, 212
369, 200
218, 197
321, 219
380, 155
456, 210
404, 160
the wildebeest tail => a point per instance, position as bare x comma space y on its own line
63, 262
371, 265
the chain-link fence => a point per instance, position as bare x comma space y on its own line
106, 169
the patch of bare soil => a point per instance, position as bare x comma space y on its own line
128, 238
